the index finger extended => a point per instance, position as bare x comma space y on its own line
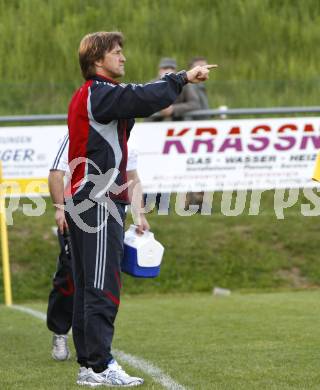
211, 66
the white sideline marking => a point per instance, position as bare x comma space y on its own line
32, 312
148, 368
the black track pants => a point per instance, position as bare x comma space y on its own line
60, 303
96, 265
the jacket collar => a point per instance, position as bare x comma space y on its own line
100, 77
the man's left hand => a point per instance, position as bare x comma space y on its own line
143, 225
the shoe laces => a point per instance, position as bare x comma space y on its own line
60, 342
117, 370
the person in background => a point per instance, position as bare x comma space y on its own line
185, 102
196, 198
60, 302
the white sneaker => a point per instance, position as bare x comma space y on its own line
60, 350
82, 376
113, 376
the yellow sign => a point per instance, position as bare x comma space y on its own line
316, 173
4, 246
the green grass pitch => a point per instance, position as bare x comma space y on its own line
245, 341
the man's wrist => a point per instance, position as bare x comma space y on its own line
59, 206
184, 76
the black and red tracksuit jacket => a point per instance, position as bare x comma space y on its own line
100, 117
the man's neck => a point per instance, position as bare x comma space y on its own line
108, 78
104, 73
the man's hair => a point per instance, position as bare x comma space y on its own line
93, 48
196, 59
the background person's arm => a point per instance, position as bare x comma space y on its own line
187, 101
191, 102
56, 188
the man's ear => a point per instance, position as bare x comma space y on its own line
98, 63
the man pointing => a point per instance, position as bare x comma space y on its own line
100, 117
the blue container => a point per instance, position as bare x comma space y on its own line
130, 265
142, 254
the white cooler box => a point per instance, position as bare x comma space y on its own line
142, 254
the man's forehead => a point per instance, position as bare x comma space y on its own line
116, 48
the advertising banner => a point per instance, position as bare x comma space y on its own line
27, 153
210, 155
215, 155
